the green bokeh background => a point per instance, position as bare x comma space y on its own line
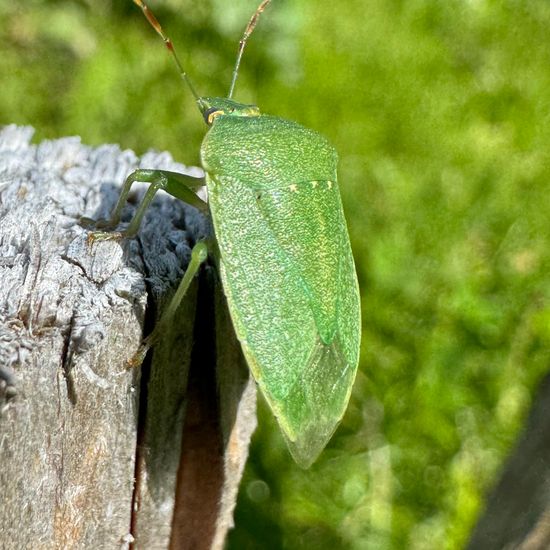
439, 110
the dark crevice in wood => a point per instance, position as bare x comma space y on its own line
201, 470
8, 387
141, 436
66, 360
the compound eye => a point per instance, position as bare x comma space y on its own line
211, 114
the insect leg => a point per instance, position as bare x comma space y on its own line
199, 253
178, 185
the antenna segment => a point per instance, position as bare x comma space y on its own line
168, 43
243, 41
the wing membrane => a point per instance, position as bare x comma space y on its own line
288, 274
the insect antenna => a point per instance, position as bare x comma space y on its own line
168, 43
243, 41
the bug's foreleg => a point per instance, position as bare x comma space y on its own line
178, 185
199, 253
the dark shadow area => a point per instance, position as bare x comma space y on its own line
518, 509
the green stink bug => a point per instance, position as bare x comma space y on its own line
283, 253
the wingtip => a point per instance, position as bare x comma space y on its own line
312, 411
306, 447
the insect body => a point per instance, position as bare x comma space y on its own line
284, 258
286, 267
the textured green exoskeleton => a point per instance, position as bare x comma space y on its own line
284, 257
286, 267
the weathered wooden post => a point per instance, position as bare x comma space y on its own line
93, 454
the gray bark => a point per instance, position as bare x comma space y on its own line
93, 454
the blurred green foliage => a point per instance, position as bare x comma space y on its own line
439, 110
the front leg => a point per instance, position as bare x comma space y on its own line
178, 185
